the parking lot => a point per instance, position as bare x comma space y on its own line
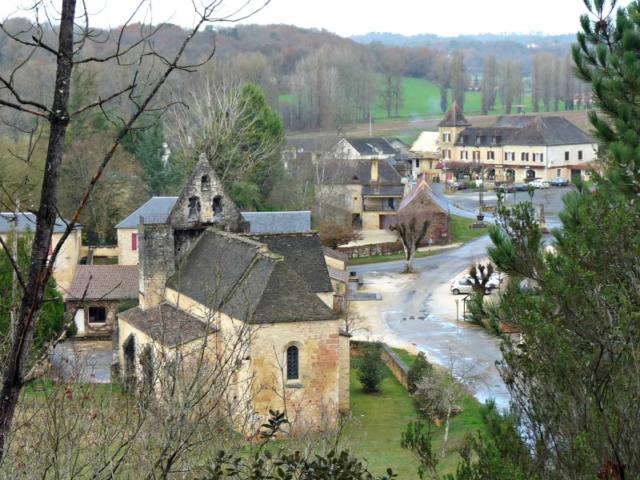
550, 198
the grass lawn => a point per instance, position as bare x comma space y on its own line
460, 231
380, 419
390, 258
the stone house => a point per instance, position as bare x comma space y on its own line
67, 261
420, 200
97, 293
368, 190
428, 155
517, 147
205, 280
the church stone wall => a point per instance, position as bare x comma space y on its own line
313, 400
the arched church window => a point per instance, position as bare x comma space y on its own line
194, 209
292, 363
205, 183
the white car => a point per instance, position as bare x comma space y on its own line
540, 184
464, 285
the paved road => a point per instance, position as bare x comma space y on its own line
414, 312
83, 361
419, 311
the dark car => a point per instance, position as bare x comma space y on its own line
521, 187
559, 182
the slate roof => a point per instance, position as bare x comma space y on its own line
303, 254
332, 253
167, 324
372, 146
426, 142
26, 222
525, 130
454, 118
358, 172
155, 210
104, 282
244, 279
338, 275
278, 222
484, 136
383, 191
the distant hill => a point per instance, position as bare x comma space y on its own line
528, 39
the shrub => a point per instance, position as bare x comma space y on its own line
370, 367
419, 369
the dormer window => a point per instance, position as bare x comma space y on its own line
465, 139
194, 209
205, 183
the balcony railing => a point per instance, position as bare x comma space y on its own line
380, 208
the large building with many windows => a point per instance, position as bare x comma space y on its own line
517, 148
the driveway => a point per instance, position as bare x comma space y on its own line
418, 312
83, 361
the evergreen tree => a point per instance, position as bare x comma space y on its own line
148, 146
51, 321
574, 382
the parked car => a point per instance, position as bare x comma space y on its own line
464, 285
521, 187
559, 182
506, 188
537, 183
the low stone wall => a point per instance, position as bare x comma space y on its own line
388, 248
398, 368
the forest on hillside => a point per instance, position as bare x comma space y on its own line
318, 80
261, 82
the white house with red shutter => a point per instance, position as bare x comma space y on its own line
153, 211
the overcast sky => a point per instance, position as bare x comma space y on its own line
350, 17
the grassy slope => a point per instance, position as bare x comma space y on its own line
460, 231
379, 421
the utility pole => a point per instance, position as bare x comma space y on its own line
370, 124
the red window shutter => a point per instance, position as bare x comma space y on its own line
134, 241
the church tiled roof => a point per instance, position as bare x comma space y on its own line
250, 281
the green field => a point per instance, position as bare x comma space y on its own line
379, 420
422, 100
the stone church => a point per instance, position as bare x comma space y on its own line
204, 281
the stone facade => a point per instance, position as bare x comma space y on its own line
260, 290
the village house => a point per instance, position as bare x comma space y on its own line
66, 263
203, 278
368, 191
97, 293
517, 148
156, 210
420, 202
428, 155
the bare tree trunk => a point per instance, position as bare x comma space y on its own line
14, 277
22, 336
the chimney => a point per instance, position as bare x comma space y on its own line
375, 174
